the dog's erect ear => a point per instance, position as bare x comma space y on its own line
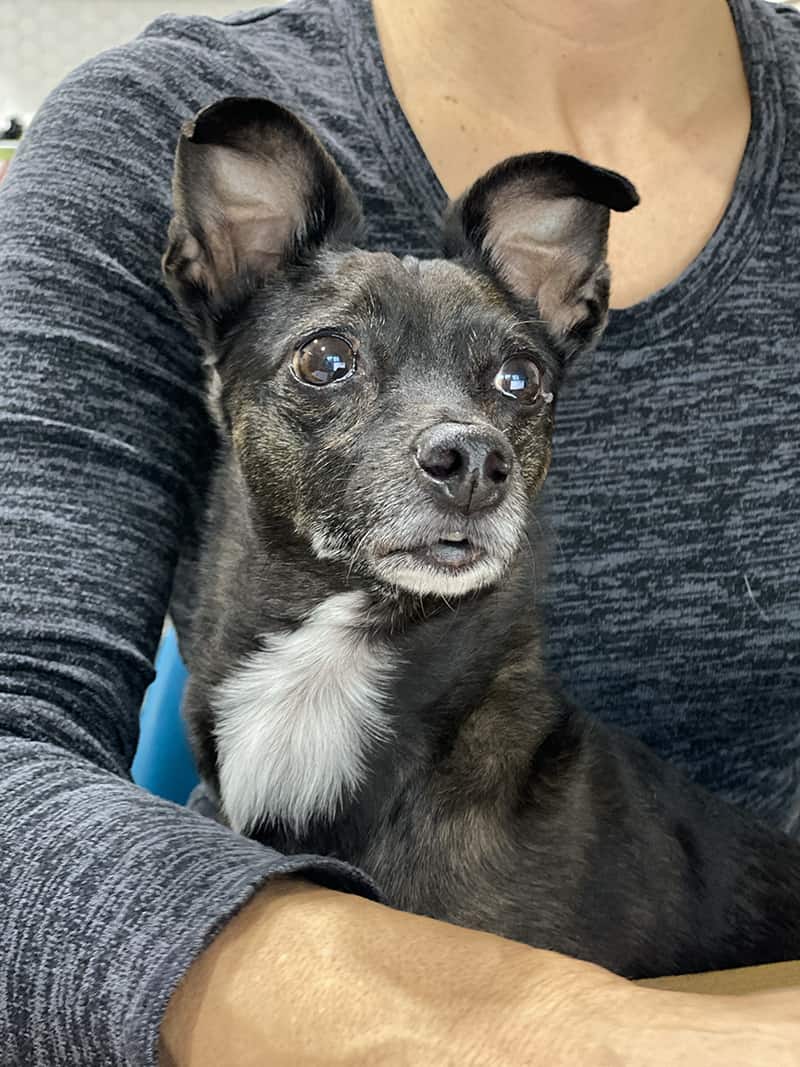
539, 223
253, 189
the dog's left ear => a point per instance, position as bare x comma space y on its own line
539, 224
253, 190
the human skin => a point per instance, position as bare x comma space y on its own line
654, 91
305, 976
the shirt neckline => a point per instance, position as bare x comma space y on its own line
700, 285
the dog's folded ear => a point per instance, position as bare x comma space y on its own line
253, 189
539, 224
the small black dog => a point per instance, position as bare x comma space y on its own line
366, 676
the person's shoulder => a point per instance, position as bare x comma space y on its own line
129, 102
178, 63
296, 24
275, 39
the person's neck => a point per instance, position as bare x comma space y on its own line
569, 71
656, 92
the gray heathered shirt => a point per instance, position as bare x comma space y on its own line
674, 600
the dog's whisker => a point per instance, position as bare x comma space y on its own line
354, 558
552, 537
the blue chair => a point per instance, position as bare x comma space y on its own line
163, 763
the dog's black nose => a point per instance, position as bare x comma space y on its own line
468, 466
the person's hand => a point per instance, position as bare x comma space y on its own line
306, 977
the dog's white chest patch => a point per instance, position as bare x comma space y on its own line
295, 720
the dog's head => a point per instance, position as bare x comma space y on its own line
390, 414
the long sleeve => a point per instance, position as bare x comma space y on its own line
107, 894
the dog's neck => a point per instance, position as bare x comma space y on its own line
330, 669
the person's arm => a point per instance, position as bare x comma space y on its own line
307, 977
107, 894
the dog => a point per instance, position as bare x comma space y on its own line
366, 677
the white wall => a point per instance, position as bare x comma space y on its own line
42, 40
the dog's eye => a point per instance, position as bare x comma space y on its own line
519, 378
323, 360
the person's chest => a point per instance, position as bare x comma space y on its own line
685, 180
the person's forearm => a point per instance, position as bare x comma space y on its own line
305, 976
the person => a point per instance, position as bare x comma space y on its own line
135, 931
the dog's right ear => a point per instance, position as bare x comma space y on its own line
538, 223
253, 190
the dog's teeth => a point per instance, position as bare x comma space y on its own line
455, 535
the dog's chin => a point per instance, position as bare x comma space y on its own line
444, 568
430, 556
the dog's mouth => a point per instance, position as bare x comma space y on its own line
451, 564
413, 548
452, 552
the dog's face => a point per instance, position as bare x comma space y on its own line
391, 414
395, 414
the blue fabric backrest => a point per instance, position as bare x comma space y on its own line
163, 763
